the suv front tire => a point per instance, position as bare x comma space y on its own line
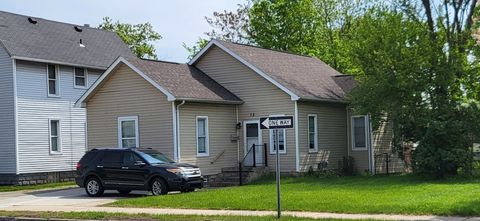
158, 187
94, 187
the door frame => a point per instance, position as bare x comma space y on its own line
245, 122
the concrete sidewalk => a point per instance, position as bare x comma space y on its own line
316, 215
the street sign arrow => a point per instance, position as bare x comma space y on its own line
264, 122
276, 122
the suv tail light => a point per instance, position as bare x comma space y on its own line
78, 166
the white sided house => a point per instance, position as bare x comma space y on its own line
207, 112
45, 67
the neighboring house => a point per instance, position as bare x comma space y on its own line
45, 66
207, 112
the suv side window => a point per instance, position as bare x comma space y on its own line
113, 157
129, 158
88, 157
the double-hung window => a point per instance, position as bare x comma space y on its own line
52, 81
54, 131
128, 132
359, 132
202, 136
80, 78
312, 133
282, 144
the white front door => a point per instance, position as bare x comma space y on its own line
253, 135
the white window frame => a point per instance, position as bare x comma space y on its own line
207, 136
352, 132
59, 136
57, 81
272, 149
315, 139
85, 72
119, 125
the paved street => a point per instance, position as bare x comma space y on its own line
75, 200
70, 197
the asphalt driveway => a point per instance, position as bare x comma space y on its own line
60, 197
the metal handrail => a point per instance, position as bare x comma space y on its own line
248, 152
217, 157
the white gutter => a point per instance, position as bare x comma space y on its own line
58, 62
177, 128
297, 148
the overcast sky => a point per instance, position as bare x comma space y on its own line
177, 21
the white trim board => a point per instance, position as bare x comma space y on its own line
293, 96
15, 112
56, 62
119, 130
112, 67
207, 137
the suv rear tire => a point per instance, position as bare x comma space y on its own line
158, 187
93, 187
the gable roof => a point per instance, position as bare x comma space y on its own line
302, 77
177, 81
56, 42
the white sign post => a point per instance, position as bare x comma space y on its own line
275, 123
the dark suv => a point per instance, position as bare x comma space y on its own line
134, 169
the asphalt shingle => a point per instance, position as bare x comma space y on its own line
59, 42
183, 81
307, 77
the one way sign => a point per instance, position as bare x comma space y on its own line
276, 122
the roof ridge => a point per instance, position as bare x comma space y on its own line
268, 49
163, 61
54, 21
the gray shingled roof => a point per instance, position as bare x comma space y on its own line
183, 81
307, 77
59, 42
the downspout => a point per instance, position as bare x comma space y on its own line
238, 134
372, 158
297, 150
15, 112
349, 130
178, 129
174, 123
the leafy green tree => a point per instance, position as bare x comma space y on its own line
416, 62
421, 69
138, 37
226, 25
311, 27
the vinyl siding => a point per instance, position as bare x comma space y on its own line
332, 134
261, 97
34, 109
360, 156
382, 146
221, 127
126, 93
7, 115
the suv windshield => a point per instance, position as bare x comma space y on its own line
155, 158
161, 157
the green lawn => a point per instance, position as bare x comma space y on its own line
35, 187
377, 194
144, 217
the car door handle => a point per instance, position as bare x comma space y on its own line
125, 168
99, 166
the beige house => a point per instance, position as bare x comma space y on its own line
207, 112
